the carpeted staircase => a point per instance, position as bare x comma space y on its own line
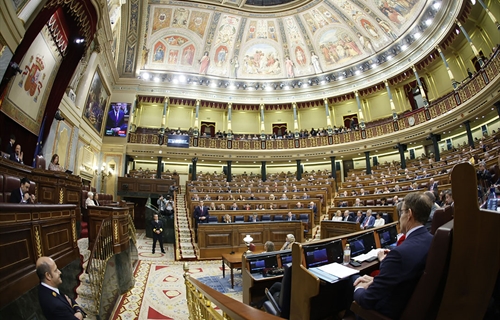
184, 232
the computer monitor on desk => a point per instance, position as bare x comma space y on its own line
388, 236
323, 253
259, 263
286, 257
362, 244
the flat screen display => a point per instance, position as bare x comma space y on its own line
178, 141
362, 244
388, 236
259, 264
324, 253
117, 119
285, 258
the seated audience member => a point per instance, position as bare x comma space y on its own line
290, 239
253, 218
17, 155
379, 221
299, 205
369, 220
434, 207
305, 196
383, 201
212, 206
359, 217
195, 197
290, 216
260, 207
348, 216
272, 197
222, 206
54, 305
269, 246
448, 197
338, 215
252, 197
22, 195
90, 199
227, 218
240, 198
284, 197
96, 200
357, 203
313, 206
54, 163
247, 207
230, 197
395, 200
401, 268
234, 206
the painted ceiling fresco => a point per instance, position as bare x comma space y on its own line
319, 37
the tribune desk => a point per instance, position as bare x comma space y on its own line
232, 261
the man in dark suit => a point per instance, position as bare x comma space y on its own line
21, 195
54, 305
157, 233
116, 119
201, 213
359, 217
11, 145
433, 186
401, 268
17, 155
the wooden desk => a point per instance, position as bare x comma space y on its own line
232, 261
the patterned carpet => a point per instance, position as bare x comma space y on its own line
160, 291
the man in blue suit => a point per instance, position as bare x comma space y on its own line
201, 213
54, 305
401, 268
369, 220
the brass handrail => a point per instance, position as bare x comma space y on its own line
131, 229
102, 251
201, 300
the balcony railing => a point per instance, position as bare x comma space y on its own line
465, 92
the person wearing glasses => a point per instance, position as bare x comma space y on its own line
400, 268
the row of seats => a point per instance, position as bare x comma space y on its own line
304, 217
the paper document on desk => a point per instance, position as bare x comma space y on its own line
367, 256
338, 270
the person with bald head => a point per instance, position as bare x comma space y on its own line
54, 304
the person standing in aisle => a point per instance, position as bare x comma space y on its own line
157, 233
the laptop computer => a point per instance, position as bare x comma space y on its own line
388, 237
69, 172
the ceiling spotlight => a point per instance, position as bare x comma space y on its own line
220, 84
327, 78
207, 82
263, 86
238, 85
145, 75
316, 80
182, 78
201, 81
275, 86
244, 86
156, 79
282, 85
226, 84
256, 86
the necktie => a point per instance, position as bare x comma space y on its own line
366, 222
400, 240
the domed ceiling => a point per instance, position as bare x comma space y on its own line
240, 44
313, 38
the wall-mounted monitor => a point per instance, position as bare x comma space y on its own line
117, 119
178, 141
